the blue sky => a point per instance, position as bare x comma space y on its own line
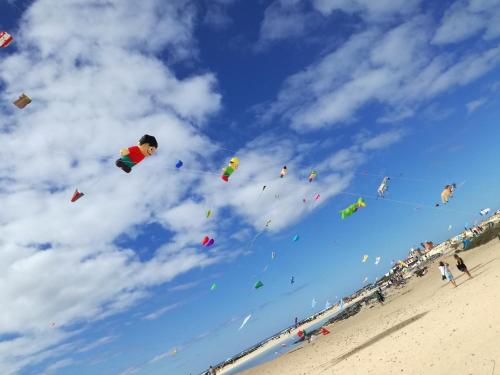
353, 89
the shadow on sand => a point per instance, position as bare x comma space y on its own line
374, 339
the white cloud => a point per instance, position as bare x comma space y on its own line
59, 365
466, 18
397, 69
285, 19
97, 86
475, 104
99, 342
217, 15
158, 313
185, 286
382, 140
371, 10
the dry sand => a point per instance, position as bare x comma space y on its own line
427, 327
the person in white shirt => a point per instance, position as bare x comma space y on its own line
446, 273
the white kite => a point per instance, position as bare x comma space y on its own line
313, 303
384, 185
245, 321
485, 212
377, 260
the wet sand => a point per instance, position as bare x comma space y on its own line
426, 327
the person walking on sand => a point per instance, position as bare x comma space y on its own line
461, 265
445, 271
380, 296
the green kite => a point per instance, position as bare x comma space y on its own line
352, 208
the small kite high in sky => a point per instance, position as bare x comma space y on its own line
352, 208
228, 171
179, 164
365, 258
259, 284
283, 172
292, 280
22, 101
209, 213
447, 193
295, 238
76, 195
134, 155
485, 212
313, 176
313, 303
207, 242
273, 254
377, 260
245, 321
5, 39
213, 287
384, 185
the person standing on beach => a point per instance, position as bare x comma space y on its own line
461, 265
445, 271
380, 296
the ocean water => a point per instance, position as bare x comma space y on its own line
277, 350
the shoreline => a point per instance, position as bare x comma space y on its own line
444, 249
335, 310
427, 327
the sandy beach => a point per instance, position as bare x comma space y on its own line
426, 327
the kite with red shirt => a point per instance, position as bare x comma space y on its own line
134, 155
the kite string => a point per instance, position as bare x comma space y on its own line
391, 177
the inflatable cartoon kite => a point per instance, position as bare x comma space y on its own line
352, 208
228, 171
313, 176
384, 185
447, 193
134, 155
